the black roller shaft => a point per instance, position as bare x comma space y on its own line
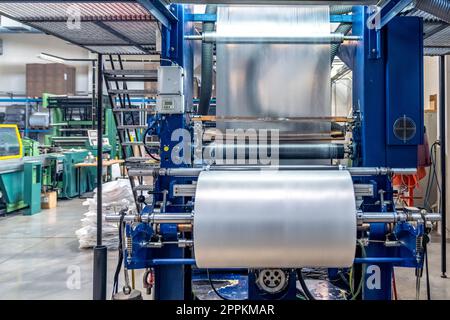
285, 151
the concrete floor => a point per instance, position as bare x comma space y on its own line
40, 259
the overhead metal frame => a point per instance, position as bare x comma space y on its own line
436, 31
107, 27
391, 9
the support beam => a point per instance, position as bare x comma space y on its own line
100, 251
442, 138
159, 11
393, 12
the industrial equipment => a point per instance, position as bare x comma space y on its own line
71, 119
269, 185
20, 178
25, 172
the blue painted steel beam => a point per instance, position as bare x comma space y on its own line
19, 100
203, 17
159, 10
376, 260
341, 18
173, 261
394, 11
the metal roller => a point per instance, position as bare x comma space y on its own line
285, 151
281, 219
210, 37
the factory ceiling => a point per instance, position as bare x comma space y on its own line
128, 27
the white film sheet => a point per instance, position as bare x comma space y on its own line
274, 219
273, 80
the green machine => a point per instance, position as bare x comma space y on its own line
32, 177
61, 174
20, 178
71, 119
30, 147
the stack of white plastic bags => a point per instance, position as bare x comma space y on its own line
116, 195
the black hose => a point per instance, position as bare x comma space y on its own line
427, 274
305, 289
343, 28
120, 259
147, 149
340, 9
425, 241
214, 288
207, 65
285, 150
438, 8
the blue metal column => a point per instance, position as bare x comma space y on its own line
170, 282
369, 98
388, 86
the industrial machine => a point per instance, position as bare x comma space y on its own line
25, 172
20, 178
273, 183
72, 117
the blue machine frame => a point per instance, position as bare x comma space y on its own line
387, 86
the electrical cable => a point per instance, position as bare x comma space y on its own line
394, 285
432, 176
351, 276
305, 289
425, 241
120, 258
147, 149
427, 275
433, 161
214, 288
417, 283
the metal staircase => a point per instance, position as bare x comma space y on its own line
131, 120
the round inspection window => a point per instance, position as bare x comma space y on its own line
404, 128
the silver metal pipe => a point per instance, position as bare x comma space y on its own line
432, 217
211, 37
141, 172
355, 171
392, 217
181, 243
281, 39
178, 218
160, 218
379, 171
377, 217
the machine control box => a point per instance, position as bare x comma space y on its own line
170, 80
170, 104
170, 99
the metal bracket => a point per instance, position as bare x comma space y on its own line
184, 190
160, 11
398, 7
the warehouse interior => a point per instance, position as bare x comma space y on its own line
224, 150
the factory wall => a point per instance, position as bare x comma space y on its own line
431, 87
20, 49
341, 97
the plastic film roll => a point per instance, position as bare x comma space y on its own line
274, 219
